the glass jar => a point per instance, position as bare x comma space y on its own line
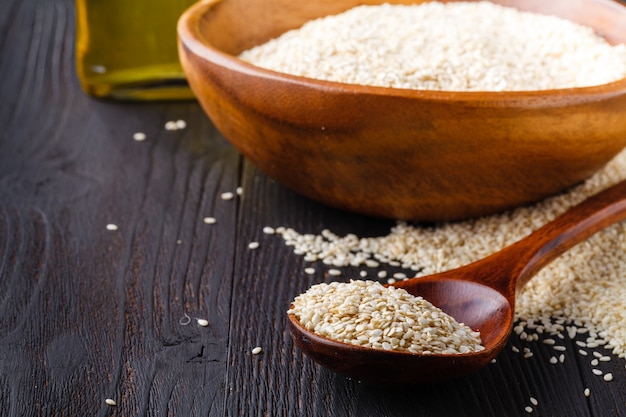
126, 49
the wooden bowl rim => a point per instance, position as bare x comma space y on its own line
190, 37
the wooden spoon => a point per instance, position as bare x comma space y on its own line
481, 295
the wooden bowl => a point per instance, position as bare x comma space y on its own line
396, 153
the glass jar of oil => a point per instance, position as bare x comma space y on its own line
126, 49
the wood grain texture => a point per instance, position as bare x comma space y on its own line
88, 314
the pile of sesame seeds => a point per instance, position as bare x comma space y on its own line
578, 297
367, 314
458, 46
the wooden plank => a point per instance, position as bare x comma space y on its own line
87, 313
281, 382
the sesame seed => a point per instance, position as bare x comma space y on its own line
413, 324
554, 360
596, 372
210, 220
139, 136
110, 402
309, 271
587, 392
528, 409
559, 348
180, 124
594, 362
202, 322
549, 341
534, 401
171, 125
112, 226
531, 67
608, 377
239, 190
363, 274
334, 272
227, 196
599, 285
257, 350
269, 230
253, 245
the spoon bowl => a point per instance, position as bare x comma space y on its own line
480, 295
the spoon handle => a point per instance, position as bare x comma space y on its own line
535, 251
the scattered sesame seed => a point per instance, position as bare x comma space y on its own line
370, 263
171, 125
515, 349
309, 271
562, 358
391, 281
608, 377
253, 245
559, 348
202, 322
363, 274
528, 409
549, 341
594, 362
210, 220
382, 274
334, 272
534, 401
112, 226
110, 402
554, 360
227, 195
605, 359
239, 191
269, 230
257, 350
587, 392
596, 372
178, 242
139, 136
539, 311
181, 124
399, 275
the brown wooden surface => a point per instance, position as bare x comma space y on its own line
88, 314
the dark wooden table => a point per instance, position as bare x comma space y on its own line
88, 313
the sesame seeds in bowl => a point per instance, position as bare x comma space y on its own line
414, 154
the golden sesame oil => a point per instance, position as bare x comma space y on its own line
126, 49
